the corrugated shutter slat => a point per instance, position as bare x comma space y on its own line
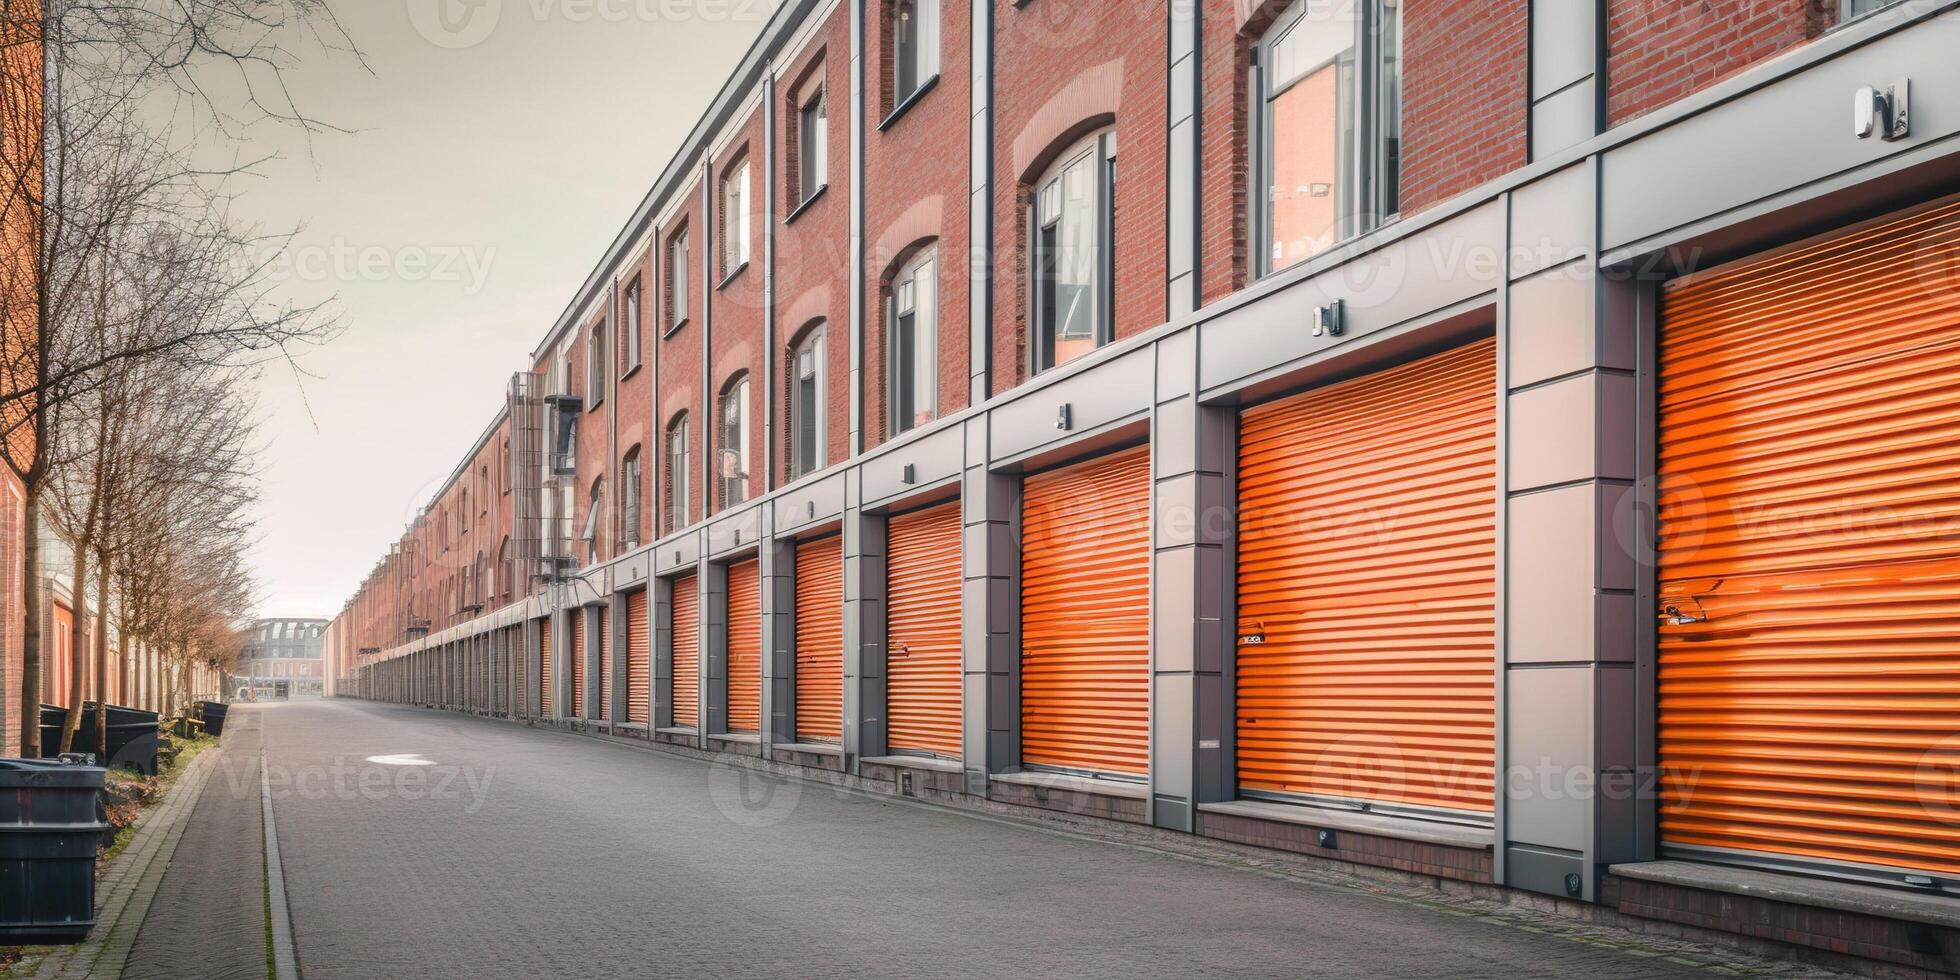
1808, 495
744, 647
637, 673
685, 685
820, 640
922, 626
1367, 561
1085, 615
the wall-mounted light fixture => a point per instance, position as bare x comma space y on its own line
1064, 418
1330, 320
1883, 112
908, 475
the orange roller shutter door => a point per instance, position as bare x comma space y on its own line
685, 685
1809, 676
605, 668
1085, 616
578, 662
637, 662
744, 647
544, 665
820, 640
1367, 583
922, 627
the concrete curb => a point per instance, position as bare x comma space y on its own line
125, 891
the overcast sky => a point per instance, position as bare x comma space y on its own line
501, 145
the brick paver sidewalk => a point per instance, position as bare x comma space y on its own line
125, 891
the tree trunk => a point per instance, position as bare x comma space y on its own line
100, 634
30, 647
77, 650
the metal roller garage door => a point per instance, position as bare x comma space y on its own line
544, 666
1809, 677
820, 640
1085, 616
1367, 557
685, 685
636, 658
578, 662
922, 628
744, 647
604, 667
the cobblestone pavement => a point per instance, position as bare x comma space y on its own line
426, 844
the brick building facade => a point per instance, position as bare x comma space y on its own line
1473, 530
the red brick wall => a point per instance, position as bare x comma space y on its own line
1465, 95
813, 255
593, 454
738, 303
1057, 66
915, 172
1660, 51
680, 351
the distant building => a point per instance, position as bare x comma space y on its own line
282, 653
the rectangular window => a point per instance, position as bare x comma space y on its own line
813, 147
595, 365
735, 219
806, 406
630, 343
915, 46
1859, 8
1074, 235
1330, 121
677, 280
913, 353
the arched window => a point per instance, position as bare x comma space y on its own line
806, 403
629, 499
677, 473
912, 342
732, 456
505, 569
1073, 273
594, 505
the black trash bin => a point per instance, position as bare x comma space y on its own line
212, 714
132, 736
49, 827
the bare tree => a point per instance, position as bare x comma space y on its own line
99, 190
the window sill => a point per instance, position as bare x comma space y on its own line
908, 102
589, 409
635, 369
805, 206
732, 275
673, 328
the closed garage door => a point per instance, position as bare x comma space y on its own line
544, 666
636, 658
1809, 569
602, 665
1367, 557
685, 685
578, 662
922, 626
820, 640
1085, 616
744, 647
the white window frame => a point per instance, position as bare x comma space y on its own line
630, 475
596, 374
813, 145
915, 293
677, 278
734, 489
677, 453
630, 342
814, 347
735, 219
1374, 199
1044, 212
